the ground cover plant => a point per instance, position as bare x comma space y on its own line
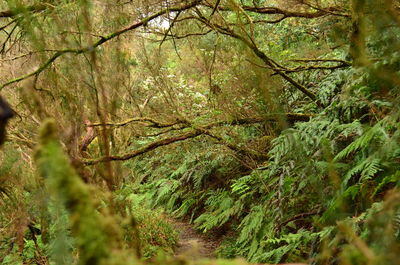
272, 127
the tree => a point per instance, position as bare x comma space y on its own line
253, 85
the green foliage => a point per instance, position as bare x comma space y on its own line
54, 167
154, 232
322, 190
350, 158
96, 234
220, 207
287, 245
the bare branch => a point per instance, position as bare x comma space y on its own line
8, 24
184, 36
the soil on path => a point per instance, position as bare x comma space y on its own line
194, 244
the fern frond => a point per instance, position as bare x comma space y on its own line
360, 143
367, 169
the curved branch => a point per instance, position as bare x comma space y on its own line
200, 130
145, 149
102, 40
260, 54
166, 141
285, 13
153, 123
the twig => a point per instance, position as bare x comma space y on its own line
194, 132
297, 217
154, 123
101, 41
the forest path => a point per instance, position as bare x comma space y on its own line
193, 243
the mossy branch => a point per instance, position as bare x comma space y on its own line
101, 41
269, 62
201, 130
17, 11
97, 235
291, 117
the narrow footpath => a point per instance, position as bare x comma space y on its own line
192, 243
195, 245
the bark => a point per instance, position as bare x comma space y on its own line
15, 12
203, 130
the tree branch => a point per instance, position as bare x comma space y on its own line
102, 40
297, 217
153, 123
304, 68
18, 11
260, 54
145, 149
285, 13
291, 117
194, 132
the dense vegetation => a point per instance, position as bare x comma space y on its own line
272, 125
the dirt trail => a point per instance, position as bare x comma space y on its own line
192, 243
195, 245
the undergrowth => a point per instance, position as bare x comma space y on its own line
323, 189
321, 176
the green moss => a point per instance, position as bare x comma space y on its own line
96, 235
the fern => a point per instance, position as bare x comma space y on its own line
185, 208
362, 142
274, 249
220, 207
396, 224
392, 178
165, 191
251, 225
367, 169
241, 186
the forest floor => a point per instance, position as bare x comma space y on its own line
193, 243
